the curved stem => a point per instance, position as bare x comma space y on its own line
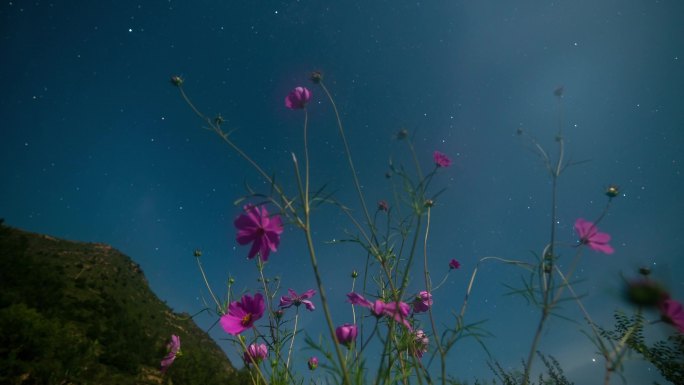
428, 288
206, 282
348, 152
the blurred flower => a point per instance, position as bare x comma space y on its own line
441, 160
313, 363
402, 134
421, 342
590, 236
398, 311
255, 354
297, 98
383, 206
376, 307
346, 334
173, 348
672, 312
645, 292
454, 264
294, 299
422, 302
256, 226
242, 314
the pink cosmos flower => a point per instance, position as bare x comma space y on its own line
421, 342
346, 334
312, 363
294, 299
454, 264
297, 98
590, 236
255, 354
242, 314
397, 311
672, 312
256, 226
377, 307
422, 302
441, 160
174, 350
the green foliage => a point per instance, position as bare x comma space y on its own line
666, 355
554, 373
83, 313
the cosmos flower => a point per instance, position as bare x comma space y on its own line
589, 235
454, 264
297, 98
312, 363
672, 312
441, 160
377, 307
420, 343
242, 314
294, 299
174, 350
255, 354
346, 334
422, 302
398, 311
256, 226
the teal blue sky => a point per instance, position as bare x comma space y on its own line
97, 146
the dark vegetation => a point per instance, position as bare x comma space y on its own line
83, 313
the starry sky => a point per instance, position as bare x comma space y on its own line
97, 146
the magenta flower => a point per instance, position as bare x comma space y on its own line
422, 302
398, 311
441, 160
255, 354
672, 312
590, 236
257, 227
454, 264
377, 307
242, 314
313, 363
346, 334
294, 299
174, 350
297, 98
421, 342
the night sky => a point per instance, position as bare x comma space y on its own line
96, 145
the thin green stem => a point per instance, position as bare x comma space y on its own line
294, 333
306, 226
357, 185
206, 282
428, 288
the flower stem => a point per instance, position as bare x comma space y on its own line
428, 288
294, 333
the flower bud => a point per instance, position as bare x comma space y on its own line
176, 80
313, 363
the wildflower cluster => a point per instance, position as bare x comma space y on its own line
397, 297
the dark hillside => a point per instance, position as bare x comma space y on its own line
83, 313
